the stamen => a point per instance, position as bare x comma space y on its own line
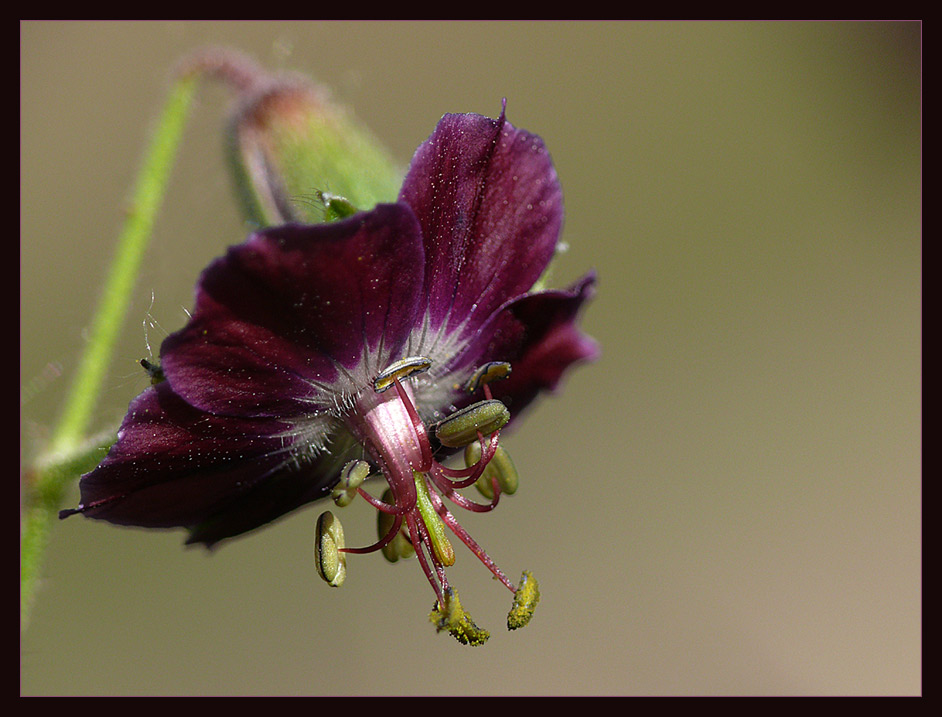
499, 468
400, 370
328, 546
393, 540
433, 523
463, 426
465, 538
383, 507
420, 431
351, 477
412, 515
525, 599
389, 525
416, 529
491, 371
452, 617
448, 489
472, 472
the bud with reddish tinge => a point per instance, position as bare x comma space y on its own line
297, 155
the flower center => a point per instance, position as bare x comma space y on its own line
413, 514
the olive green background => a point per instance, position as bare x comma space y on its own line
728, 502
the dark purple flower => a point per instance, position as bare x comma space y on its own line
348, 347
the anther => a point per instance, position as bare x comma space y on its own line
500, 467
400, 370
398, 547
525, 599
351, 477
330, 562
462, 427
452, 617
490, 371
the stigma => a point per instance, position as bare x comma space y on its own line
413, 517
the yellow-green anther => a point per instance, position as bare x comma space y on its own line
351, 477
462, 427
500, 467
330, 562
433, 522
452, 617
398, 547
485, 374
400, 370
525, 600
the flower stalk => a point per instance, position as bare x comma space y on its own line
69, 453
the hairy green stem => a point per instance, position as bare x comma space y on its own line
115, 298
69, 453
44, 487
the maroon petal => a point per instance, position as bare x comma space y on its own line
174, 465
286, 319
539, 336
491, 209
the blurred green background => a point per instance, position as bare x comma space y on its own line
728, 502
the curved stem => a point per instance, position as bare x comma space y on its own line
385, 507
465, 538
460, 500
472, 473
116, 295
381, 543
43, 488
420, 431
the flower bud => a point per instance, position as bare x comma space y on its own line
296, 155
289, 141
